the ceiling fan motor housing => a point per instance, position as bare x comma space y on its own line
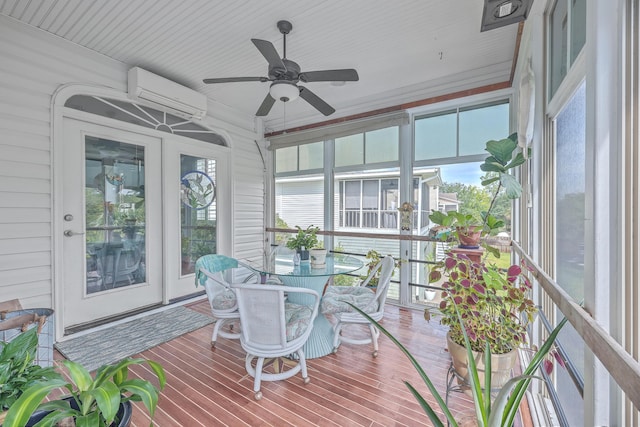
291, 72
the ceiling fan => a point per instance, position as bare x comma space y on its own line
285, 75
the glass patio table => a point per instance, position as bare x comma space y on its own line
314, 277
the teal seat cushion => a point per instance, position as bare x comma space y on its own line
298, 318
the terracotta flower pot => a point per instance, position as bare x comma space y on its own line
501, 365
469, 237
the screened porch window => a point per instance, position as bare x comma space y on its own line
370, 203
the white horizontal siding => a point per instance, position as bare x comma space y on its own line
301, 203
24, 245
34, 65
248, 199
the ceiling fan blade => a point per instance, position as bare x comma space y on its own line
345, 75
266, 105
236, 79
316, 102
270, 53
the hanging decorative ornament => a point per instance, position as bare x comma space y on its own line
406, 216
197, 190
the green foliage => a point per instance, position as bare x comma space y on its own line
472, 198
501, 187
98, 397
17, 368
304, 238
374, 257
494, 305
490, 412
281, 238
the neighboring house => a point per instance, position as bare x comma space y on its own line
448, 202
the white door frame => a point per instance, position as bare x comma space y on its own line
58, 113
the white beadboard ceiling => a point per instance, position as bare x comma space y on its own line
403, 50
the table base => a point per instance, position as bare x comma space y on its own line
320, 342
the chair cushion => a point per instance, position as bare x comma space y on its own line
298, 318
224, 300
337, 302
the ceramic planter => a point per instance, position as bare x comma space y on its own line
124, 414
318, 256
501, 365
304, 255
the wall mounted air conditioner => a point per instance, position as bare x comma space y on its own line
144, 85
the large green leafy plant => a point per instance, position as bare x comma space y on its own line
17, 368
491, 411
94, 401
493, 304
504, 156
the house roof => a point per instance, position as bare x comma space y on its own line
404, 51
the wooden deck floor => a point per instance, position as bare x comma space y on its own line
210, 387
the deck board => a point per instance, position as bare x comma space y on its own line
210, 387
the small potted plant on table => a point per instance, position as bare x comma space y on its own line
303, 241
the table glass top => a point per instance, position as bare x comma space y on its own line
281, 264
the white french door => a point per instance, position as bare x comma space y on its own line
111, 222
193, 173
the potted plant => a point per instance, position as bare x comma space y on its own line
304, 240
494, 310
17, 368
491, 410
318, 255
374, 257
101, 400
502, 159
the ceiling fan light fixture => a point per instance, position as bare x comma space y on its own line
284, 91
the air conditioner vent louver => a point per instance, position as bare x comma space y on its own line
146, 86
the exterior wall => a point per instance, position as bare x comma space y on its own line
34, 65
301, 203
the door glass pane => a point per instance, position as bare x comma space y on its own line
115, 214
197, 210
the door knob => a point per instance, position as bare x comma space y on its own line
70, 233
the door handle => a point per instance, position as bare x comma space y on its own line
69, 233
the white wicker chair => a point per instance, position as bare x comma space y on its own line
222, 298
273, 328
336, 299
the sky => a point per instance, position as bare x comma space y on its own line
465, 173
